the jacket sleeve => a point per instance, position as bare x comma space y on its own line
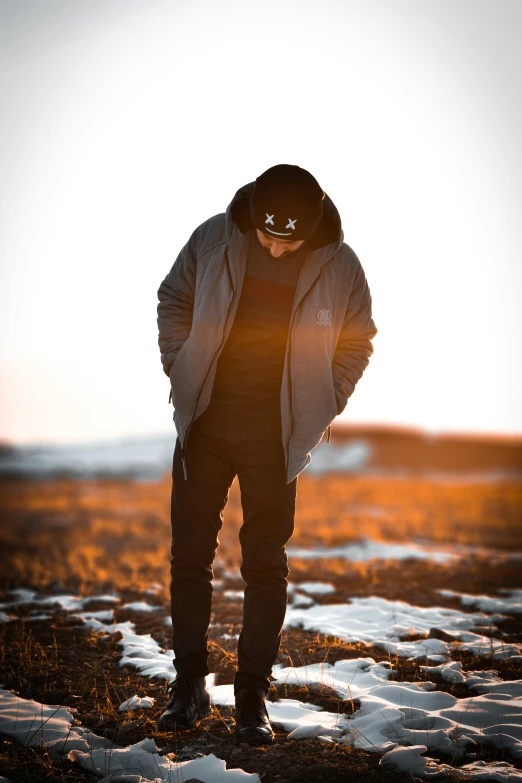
354, 346
176, 303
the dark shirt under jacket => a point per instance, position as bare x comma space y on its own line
245, 402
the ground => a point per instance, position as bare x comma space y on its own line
93, 537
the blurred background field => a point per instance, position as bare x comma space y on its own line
396, 486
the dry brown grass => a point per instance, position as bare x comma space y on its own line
92, 534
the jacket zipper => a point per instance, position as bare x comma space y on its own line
290, 382
184, 444
291, 393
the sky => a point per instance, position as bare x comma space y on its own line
127, 124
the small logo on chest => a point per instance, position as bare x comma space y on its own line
324, 317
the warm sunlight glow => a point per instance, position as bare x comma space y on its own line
130, 124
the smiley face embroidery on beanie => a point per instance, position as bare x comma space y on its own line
270, 221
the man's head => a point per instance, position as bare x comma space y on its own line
286, 206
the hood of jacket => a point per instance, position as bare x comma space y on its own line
325, 241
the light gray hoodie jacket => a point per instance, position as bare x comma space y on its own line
329, 340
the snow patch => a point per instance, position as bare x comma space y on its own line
367, 549
315, 588
136, 702
402, 713
302, 600
347, 459
384, 623
103, 616
154, 589
141, 606
145, 458
452, 672
411, 761
511, 604
70, 603
54, 727
234, 595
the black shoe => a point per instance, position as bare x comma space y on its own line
189, 703
252, 722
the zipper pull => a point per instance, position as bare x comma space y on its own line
170, 396
184, 466
328, 433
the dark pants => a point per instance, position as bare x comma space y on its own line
268, 523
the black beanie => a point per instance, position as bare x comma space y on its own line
287, 202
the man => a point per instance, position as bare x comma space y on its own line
265, 327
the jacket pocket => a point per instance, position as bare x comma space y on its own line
312, 393
172, 371
308, 432
340, 401
314, 407
177, 376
